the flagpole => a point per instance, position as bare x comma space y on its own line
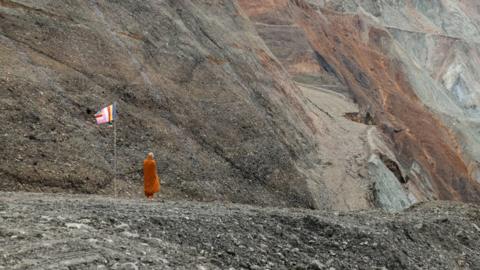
115, 153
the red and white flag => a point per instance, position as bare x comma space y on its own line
106, 115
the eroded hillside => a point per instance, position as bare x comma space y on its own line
411, 67
194, 84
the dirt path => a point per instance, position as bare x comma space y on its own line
42, 231
343, 147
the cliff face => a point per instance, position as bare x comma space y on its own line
411, 65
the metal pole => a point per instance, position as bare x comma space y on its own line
115, 156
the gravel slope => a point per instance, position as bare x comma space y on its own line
43, 231
194, 84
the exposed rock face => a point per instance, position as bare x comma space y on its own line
411, 65
388, 191
194, 82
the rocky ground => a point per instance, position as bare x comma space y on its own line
43, 231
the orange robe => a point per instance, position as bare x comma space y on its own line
151, 180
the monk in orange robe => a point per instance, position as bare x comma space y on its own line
151, 180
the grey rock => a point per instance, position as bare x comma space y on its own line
165, 249
316, 265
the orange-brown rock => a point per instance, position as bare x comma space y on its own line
362, 55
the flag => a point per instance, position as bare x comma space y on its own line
106, 115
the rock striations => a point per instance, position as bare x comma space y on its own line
411, 66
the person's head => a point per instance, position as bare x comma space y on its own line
150, 155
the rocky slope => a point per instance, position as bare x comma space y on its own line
411, 65
40, 231
194, 84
